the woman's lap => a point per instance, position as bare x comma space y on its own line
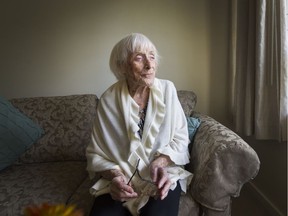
104, 205
167, 207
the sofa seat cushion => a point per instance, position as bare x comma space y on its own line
82, 198
23, 185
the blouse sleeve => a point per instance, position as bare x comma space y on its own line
177, 147
97, 158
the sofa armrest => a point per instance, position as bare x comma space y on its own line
222, 162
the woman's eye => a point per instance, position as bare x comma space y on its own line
138, 58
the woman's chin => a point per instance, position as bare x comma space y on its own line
148, 82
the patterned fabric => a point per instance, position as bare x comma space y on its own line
222, 163
188, 100
187, 206
23, 185
82, 198
142, 115
67, 122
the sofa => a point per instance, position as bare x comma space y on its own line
53, 169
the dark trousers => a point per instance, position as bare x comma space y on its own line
104, 205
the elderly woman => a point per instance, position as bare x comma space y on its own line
140, 137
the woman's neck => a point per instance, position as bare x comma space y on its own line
140, 94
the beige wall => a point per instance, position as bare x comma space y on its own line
62, 47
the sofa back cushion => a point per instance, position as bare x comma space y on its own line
17, 133
67, 123
188, 100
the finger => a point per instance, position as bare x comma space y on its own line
123, 195
165, 190
120, 182
162, 177
164, 195
127, 188
121, 186
120, 191
153, 173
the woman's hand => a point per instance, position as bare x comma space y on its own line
119, 189
159, 175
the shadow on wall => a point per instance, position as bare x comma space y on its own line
219, 49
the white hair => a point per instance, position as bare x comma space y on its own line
121, 52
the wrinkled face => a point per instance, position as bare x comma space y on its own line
142, 68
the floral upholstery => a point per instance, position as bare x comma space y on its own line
53, 170
55, 166
66, 121
188, 100
26, 184
222, 163
81, 197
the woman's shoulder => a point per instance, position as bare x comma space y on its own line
165, 82
165, 85
112, 90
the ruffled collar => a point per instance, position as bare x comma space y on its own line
141, 148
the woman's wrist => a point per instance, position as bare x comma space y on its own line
110, 174
162, 161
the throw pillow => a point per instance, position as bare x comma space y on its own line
17, 133
193, 124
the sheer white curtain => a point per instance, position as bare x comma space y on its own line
259, 68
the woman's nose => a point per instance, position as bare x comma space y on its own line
147, 63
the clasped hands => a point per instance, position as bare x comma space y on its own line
120, 191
